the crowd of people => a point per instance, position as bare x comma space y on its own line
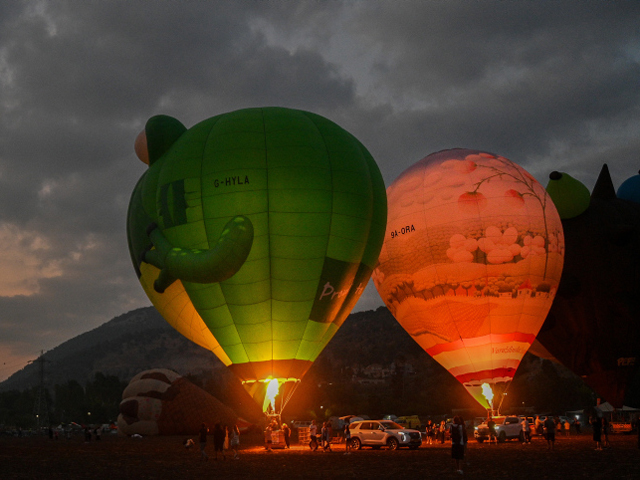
224, 438
321, 436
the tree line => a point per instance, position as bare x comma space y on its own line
96, 402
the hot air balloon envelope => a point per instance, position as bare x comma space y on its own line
254, 234
471, 262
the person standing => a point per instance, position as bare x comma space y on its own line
539, 426
326, 437
596, 425
576, 424
219, 435
234, 440
429, 432
203, 442
605, 432
550, 429
347, 438
458, 442
268, 439
313, 436
286, 431
492, 429
526, 430
567, 428
442, 430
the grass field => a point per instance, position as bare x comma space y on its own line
116, 457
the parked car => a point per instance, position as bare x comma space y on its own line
381, 433
507, 428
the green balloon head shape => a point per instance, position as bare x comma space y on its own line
254, 234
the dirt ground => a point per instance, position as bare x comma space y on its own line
166, 457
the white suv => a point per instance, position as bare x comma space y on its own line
379, 433
506, 428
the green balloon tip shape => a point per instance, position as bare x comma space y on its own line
255, 232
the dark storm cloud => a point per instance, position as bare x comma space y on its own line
78, 82
518, 77
547, 84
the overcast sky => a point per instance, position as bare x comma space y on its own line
550, 85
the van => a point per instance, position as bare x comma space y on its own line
409, 421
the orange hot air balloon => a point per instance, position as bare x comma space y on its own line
471, 261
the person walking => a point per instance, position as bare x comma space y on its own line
203, 442
458, 434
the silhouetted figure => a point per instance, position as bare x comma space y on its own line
550, 431
203, 441
219, 435
605, 433
347, 438
596, 425
286, 431
234, 440
458, 442
492, 429
268, 439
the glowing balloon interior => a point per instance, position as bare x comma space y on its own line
471, 261
254, 234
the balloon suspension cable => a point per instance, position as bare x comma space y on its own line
284, 400
504, 394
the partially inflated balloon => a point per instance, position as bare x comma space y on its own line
471, 262
161, 402
593, 327
255, 232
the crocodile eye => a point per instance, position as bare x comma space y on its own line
140, 147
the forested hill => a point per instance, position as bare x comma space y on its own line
130, 343
142, 339
368, 346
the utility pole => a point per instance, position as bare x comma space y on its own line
40, 407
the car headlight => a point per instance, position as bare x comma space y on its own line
403, 437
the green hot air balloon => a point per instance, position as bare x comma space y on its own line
254, 234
